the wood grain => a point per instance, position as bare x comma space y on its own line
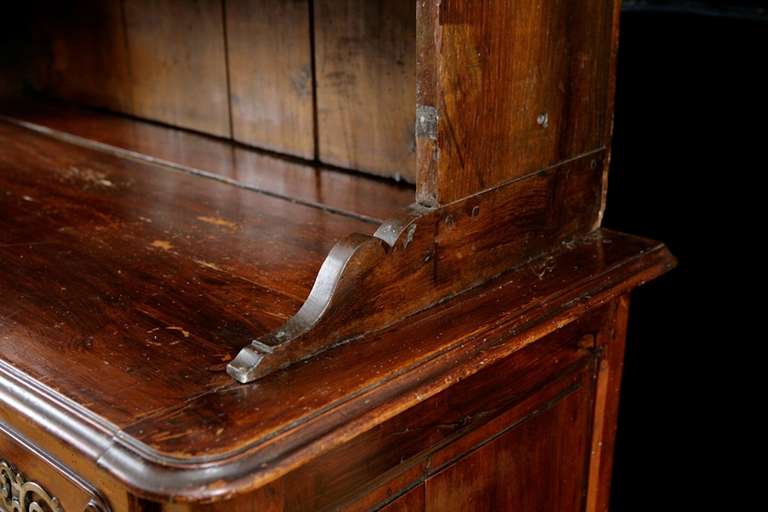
353, 194
607, 386
538, 465
367, 283
511, 305
464, 356
366, 92
112, 261
177, 60
515, 86
269, 52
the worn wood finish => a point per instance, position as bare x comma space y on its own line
538, 465
524, 295
175, 78
444, 344
439, 252
434, 434
137, 253
465, 355
509, 87
269, 52
366, 91
347, 193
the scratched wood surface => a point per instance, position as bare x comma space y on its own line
515, 86
353, 194
269, 54
340, 372
120, 268
366, 85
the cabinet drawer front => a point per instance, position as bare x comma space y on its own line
31, 480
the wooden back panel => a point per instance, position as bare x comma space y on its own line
366, 78
319, 79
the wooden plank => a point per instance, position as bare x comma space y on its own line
369, 282
514, 304
154, 276
177, 58
607, 386
88, 53
537, 465
366, 91
508, 87
349, 193
269, 52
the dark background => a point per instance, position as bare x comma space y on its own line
688, 159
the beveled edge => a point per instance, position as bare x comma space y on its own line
155, 475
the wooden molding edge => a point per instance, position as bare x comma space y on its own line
368, 283
59, 422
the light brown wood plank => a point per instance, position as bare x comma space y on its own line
270, 68
142, 271
366, 84
178, 63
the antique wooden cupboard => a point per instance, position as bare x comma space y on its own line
310, 255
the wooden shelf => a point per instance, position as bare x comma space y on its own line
150, 272
345, 192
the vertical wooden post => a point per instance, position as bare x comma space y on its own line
607, 388
507, 88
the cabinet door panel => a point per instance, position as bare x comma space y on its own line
538, 464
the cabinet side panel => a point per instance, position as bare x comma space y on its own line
269, 50
366, 85
538, 465
520, 85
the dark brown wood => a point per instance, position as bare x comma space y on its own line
608, 384
535, 465
269, 52
177, 60
368, 282
347, 193
509, 87
57, 485
85, 53
366, 90
463, 355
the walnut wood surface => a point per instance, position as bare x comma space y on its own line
513, 86
370, 282
366, 90
122, 267
269, 54
86, 52
252, 433
136, 56
348, 193
176, 78
464, 356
